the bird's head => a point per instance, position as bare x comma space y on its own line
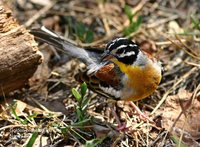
122, 50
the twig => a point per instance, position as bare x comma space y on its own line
187, 47
180, 47
139, 6
15, 126
193, 64
104, 19
38, 14
168, 42
172, 88
82, 9
164, 133
162, 21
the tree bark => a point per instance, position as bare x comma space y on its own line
19, 55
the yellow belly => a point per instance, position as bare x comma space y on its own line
141, 82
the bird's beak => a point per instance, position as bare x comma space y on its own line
106, 56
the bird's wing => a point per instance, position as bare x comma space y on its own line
106, 81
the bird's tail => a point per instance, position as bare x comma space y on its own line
49, 37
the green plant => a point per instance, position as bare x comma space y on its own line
32, 139
178, 141
24, 120
196, 23
133, 25
83, 102
13, 111
94, 142
79, 29
83, 32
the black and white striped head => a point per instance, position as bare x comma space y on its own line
124, 50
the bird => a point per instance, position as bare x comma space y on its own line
122, 71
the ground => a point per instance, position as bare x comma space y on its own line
50, 110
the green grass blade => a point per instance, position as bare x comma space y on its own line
76, 94
32, 139
83, 89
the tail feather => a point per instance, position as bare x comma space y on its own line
65, 46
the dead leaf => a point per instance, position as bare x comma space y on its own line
188, 123
101, 131
41, 141
20, 106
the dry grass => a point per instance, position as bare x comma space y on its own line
46, 111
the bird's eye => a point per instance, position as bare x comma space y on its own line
119, 51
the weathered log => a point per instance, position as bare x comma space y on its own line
19, 55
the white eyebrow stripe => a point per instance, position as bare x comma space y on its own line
122, 46
114, 41
111, 44
132, 45
120, 39
127, 54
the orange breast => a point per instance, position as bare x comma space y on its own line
142, 81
